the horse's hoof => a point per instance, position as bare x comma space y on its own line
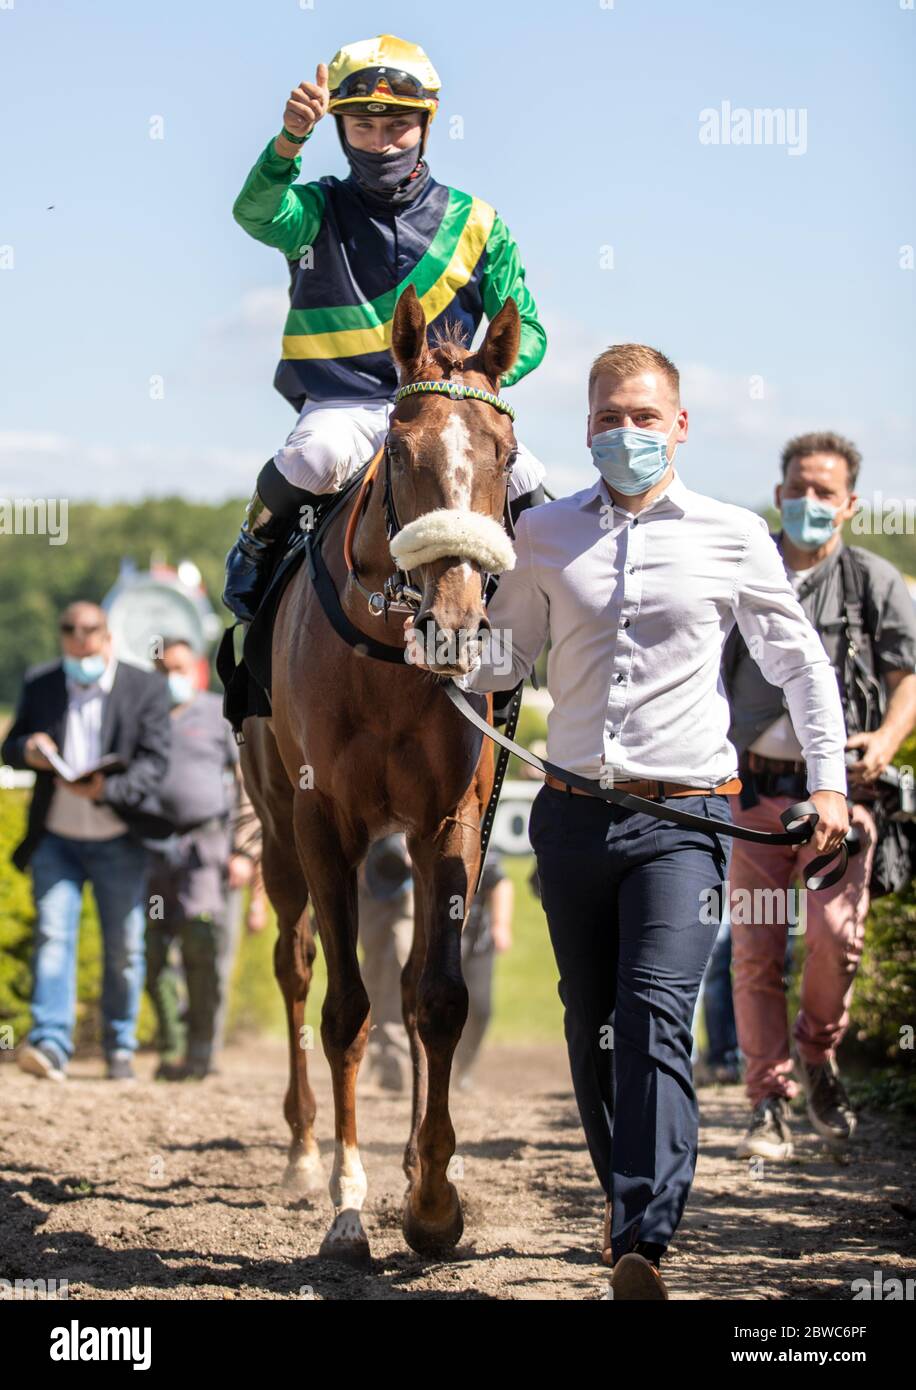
346, 1241
304, 1176
433, 1237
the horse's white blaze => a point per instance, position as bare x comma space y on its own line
459, 468
348, 1178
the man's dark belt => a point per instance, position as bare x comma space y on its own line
775, 776
652, 790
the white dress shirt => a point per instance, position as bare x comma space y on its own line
73, 816
637, 609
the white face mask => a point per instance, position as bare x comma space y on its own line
181, 688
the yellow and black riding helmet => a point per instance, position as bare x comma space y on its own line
381, 75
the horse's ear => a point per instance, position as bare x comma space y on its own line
408, 334
499, 349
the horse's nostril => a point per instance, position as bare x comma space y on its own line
425, 625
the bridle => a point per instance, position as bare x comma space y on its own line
400, 593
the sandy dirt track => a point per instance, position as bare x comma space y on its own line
173, 1192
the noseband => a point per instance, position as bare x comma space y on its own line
446, 531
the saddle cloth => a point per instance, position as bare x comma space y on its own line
246, 683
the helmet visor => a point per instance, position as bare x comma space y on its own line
367, 81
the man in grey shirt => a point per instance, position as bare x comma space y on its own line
860, 606
211, 853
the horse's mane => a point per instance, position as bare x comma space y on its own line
450, 344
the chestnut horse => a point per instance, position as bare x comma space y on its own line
356, 748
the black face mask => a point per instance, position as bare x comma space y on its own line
386, 178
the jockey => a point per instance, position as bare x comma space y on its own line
353, 245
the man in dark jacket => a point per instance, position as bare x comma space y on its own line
84, 708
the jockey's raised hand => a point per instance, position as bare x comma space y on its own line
307, 104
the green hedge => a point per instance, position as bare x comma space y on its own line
885, 1001
15, 919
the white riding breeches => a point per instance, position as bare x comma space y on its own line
332, 440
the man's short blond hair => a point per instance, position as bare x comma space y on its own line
629, 359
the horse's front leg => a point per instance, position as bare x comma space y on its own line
447, 868
329, 866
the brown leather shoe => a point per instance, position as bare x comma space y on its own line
635, 1277
607, 1257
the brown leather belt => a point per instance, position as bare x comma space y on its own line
655, 791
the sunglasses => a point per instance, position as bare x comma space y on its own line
366, 82
81, 629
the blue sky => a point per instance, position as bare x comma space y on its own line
746, 264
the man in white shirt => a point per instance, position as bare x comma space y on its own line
636, 581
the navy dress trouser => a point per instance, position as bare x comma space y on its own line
633, 905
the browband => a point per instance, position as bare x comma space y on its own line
456, 392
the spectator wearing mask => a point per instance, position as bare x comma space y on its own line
213, 851
86, 706
860, 607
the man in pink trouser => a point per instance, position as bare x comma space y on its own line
833, 925
862, 611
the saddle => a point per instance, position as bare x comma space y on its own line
247, 682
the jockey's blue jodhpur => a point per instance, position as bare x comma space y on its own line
632, 904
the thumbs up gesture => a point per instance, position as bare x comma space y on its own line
307, 103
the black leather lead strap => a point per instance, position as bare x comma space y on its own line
799, 820
502, 762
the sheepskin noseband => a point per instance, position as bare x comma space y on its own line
466, 535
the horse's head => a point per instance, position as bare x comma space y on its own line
450, 461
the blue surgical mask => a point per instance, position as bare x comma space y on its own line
631, 461
807, 523
181, 688
85, 670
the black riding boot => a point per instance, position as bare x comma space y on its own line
270, 518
